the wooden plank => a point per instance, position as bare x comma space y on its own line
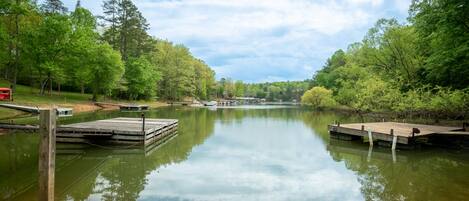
400, 129
47, 154
454, 133
362, 133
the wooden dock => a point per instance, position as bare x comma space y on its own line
61, 112
133, 108
115, 131
118, 130
393, 132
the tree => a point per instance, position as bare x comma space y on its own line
318, 97
53, 6
390, 49
239, 88
442, 27
49, 54
141, 77
126, 29
13, 12
106, 70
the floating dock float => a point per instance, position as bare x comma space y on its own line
133, 108
395, 133
118, 130
61, 112
137, 131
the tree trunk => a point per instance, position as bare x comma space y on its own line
43, 86
58, 87
82, 88
17, 50
50, 86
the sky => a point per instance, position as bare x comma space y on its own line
263, 40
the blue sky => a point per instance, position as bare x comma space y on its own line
263, 40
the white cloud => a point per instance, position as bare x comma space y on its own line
232, 35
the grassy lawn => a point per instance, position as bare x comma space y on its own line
30, 96
25, 95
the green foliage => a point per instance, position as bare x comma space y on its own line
374, 94
46, 46
420, 67
182, 74
105, 71
274, 91
318, 97
141, 77
442, 27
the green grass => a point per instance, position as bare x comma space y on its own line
30, 96
26, 95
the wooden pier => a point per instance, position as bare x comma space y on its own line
61, 112
136, 131
133, 108
118, 130
394, 133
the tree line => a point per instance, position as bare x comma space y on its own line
48, 47
271, 91
421, 66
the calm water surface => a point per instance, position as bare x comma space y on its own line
253, 153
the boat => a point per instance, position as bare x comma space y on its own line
210, 103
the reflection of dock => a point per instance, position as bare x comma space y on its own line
339, 147
400, 133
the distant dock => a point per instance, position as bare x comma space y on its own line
394, 133
61, 112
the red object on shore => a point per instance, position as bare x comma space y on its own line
6, 94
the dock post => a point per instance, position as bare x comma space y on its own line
370, 137
47, 129
143, 129
394, 140
368, 157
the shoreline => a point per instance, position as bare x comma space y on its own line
78, 108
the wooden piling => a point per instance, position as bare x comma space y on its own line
370, 137
47, 129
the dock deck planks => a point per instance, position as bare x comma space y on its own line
118, 130
403, 131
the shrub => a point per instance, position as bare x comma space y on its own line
318, 97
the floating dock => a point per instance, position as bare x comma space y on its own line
135, 131
133, 108
395, 133
118, 130
61, 112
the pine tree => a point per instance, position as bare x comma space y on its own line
78, 5
126, 28
53, 6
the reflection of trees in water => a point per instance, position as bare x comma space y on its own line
430, 174
123, 177
17, 152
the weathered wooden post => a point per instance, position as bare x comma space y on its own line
394, 139
370, 137
143, 129
47, 129
368, 157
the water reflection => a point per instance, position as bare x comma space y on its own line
236, 154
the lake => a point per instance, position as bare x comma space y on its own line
239, 153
